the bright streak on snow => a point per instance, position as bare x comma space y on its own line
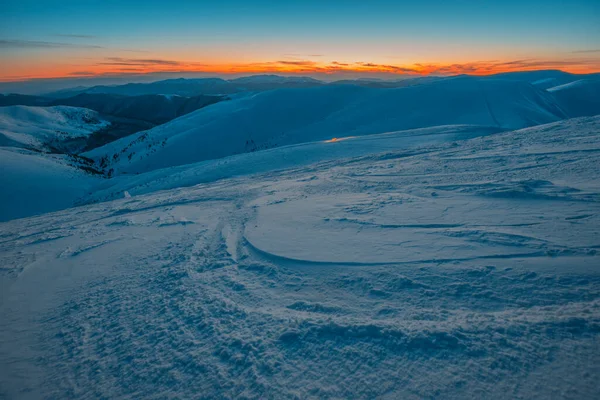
333, 140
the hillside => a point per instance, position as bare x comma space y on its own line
156, 109
457, 268
35, 183
579, 98
47, 128
282, 158
544, 79
289, 116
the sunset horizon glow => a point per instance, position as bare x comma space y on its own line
334, 70
336, 40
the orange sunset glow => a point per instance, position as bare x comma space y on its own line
118, 65
328, 40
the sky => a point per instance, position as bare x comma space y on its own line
325, 39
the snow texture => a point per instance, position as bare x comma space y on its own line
449, 268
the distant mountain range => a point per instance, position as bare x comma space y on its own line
196, 87
190, 87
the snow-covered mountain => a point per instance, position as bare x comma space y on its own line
544, 79
46, 128
289, 116
454, 269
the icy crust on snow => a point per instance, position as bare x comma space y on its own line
464, 270
41, 128
290, 116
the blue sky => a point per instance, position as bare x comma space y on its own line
62, 35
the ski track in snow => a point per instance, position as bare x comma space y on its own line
468, 270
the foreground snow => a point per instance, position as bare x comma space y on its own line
455, 270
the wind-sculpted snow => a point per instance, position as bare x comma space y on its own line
461, 269
44, 128
290, 116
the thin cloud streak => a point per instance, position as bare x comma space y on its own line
586, 51
116, 65
137, 61
34, 44
474, 68
299, 62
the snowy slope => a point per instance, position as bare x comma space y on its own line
579, 98
289, 116
461, 270
42, 128
34, 183
282, 158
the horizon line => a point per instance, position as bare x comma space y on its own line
341, 75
